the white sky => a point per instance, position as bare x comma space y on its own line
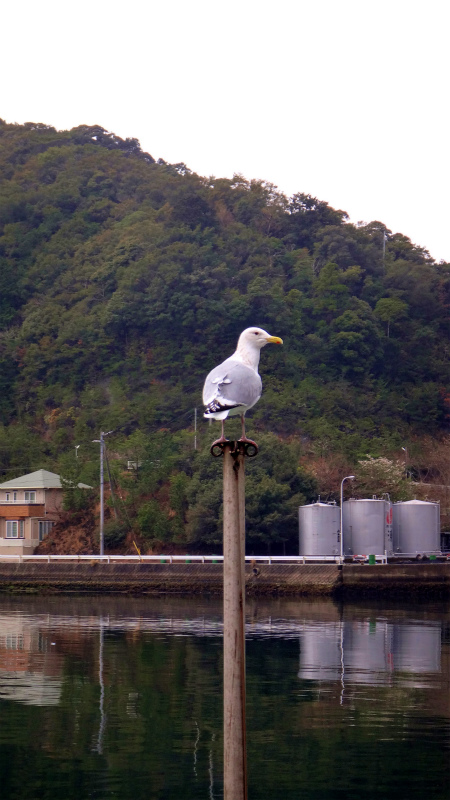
347, 101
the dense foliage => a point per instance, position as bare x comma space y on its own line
123, 281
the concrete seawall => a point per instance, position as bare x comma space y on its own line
264, 579
421, 578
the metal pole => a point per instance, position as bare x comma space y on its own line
347, 478
102, 691
405, 450
102, 504
101, 441
235, 758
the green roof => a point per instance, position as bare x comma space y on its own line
41, 479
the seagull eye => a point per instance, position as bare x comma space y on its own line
256, 333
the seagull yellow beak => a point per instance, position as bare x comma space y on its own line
274, 340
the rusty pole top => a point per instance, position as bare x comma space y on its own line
249, 449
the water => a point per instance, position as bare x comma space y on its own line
109, 697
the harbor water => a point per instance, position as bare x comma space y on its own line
121, 697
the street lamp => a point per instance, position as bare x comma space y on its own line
405, 450
347, 478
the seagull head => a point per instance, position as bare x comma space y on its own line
256, 338
250, 343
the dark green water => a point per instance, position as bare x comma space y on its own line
121, 698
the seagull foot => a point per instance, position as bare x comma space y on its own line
250, 447
244, 440
220, 441
217, 447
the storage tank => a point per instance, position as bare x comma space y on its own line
417, 527
417, 648
321, 652
367, 527
319, 529
370, 652
368, 646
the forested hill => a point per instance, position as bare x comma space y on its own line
124, 280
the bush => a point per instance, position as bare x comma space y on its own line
114, 533
153, 522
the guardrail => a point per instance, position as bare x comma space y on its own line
187, 559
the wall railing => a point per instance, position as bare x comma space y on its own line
186, 559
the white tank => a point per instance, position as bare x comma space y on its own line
321, 652
417, 527
367, 527
319, 525
368, 648
417, 648
370, 652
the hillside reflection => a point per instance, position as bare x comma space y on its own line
121, 697
354, 644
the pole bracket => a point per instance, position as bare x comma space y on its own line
247, 447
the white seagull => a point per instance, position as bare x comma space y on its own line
235, 385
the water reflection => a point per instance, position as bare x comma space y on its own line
29, 668
101, 681
347, 645
130, 690
374, 652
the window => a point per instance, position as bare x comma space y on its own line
14, 641
14, 529
30, 497
44, 528
7, 497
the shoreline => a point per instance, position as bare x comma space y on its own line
332, 580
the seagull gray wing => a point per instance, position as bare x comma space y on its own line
231, 385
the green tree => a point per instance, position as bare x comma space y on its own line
390, 309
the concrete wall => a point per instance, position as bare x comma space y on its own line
18, 546
408, 578
144, 577
262, 579
53, 502
20, 494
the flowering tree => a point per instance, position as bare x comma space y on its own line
378, 476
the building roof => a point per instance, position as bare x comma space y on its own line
41, 479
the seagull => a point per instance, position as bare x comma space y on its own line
235, 385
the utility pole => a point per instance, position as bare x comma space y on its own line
101, 441
234, 741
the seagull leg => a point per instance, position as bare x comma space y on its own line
243, 437
222, 436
